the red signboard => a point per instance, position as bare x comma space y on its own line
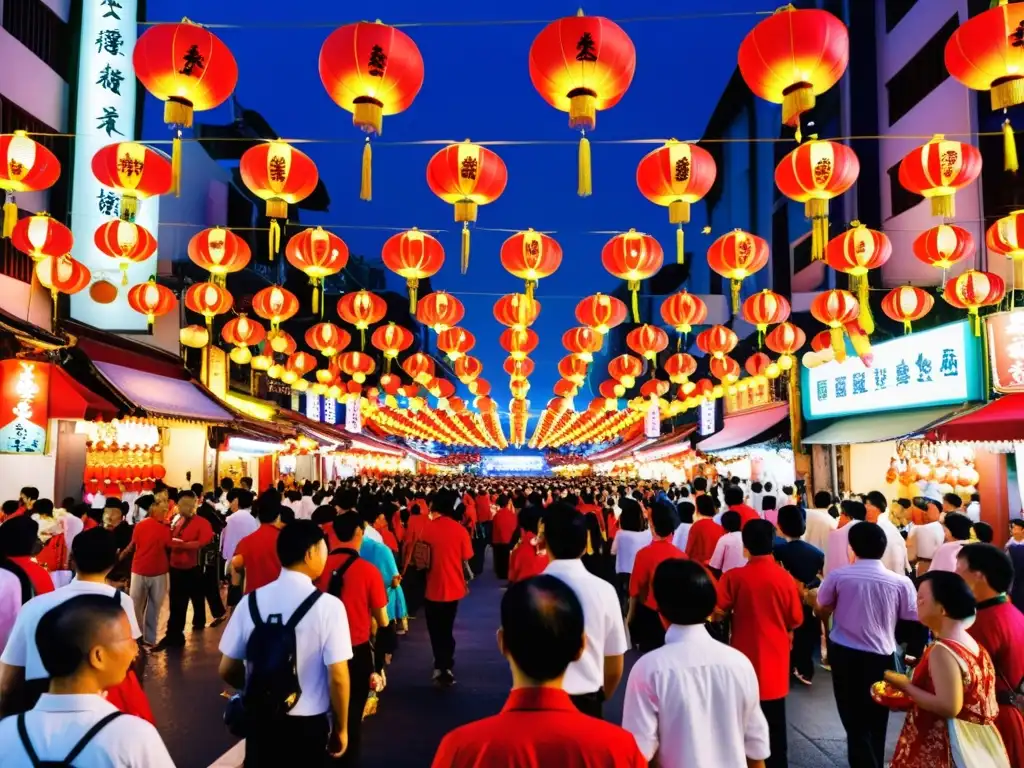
1006, 350
24, 396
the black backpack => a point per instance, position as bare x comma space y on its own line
67, 762
338, 574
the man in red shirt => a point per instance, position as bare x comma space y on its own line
705, 532
541, 634
450, 551
529, 558
765, 606
188, 536
18, 537
735, 500
642, 617
502, 531
256, 554
151, 540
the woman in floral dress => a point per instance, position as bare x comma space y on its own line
954, 680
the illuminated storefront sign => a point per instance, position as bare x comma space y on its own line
519, 465
1006, 350
941, 366
104, 114
24, 398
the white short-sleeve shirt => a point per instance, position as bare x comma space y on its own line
237, 526
322, 638
627, 544
728, 553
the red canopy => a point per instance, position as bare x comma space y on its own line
1002, 419
71, 400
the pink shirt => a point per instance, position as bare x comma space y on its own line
728, 553
945, 557
837, 553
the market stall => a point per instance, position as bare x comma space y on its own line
751, 444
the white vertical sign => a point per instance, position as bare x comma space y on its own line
105, 114
295, 401
353, 416
652, 421
312, 406
330, 410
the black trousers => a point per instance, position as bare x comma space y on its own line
211, 585
414, 584
853, 674
289, 741
186, 586
441, 626
647, 631
360, 667
806, 640
590, 703
775, 713
501, 556
622, 587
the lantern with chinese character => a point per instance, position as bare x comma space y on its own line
633, 257
601, 312
907, 304
356, 365
518, 368
647, 341
280, 174
764, 309
725, 369
468, 369
531, 256
676, 176
625, 369
938, 169
854, 253
573, 369
208, 300
580, 65
194, 336
317, 253
275, 304
455, 342
717, 341
242, 332
391, 339
794, 56
943, 246
972, 290
220, 252
736, 256
126, 242
813, 174
835, 309
25, 166
518, 342
439, 311
152, 300
362, 309
134, 171
582, 342
466, 176
370, 70
62, 274
419, 367
516, 310
327, 339
680, 367
40, 236
414, 255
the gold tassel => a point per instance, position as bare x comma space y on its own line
838, 343
530, 285
944, 206
680, 252
1010, 163
465, 247
275, 238
124, 274
176, 165
736, 296
10, 214
817, 212
586, 181
975, 321
366, 185
362, 339
53, 298
316, 298
413, 285
634, 289
590, 545
867, 320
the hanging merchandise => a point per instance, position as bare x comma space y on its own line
134, 171
531, 256
25, 166
907, 304
582, 342
764, 309
318, 254
220, 252
938, 169
40, 236
736, 256
208, 300
439, 311
152, 300
279, 173
62, 274
836, 308
414, 255
126, 242
276, 305
391, 339
854, 253
362, 309
633, 257
327, 339
972, 290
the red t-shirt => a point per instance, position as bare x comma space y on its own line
195, 531
151, 539
362, 591
389, 538
449, 547
526, 560
504, 526
396, 523
469, 513
704, 535
746, 513
258, 551
641, 581
39, 576
766, 608
483, 508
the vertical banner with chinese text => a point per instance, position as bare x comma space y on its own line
1006, 350
24, 406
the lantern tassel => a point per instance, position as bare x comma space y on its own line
275, 238
530, 285
944, 206
907, 327
817, 212
679, 342
867, 320
975, 321
736, 296
464, 265
124, 274
53, 297
634, 289
680, 252
838, 343
362, 339
176, 164
1010, 163
413, 285
586, 181
10, 213
316, 298
366, 183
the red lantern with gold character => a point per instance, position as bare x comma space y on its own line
152, 300
582, 342
855, 253
455, 342
717, 341
531, 256
647, 341
208, 300
972, 290
275, 304
518, 342
680, 367
126, 242
516, 310
40, 236
318, 254
633, 257
736, 256
62, 274
625, 369
327, 339
279, 173
835, 309
362, 309
391, 339
134, 171
439, 311
415, 256
220, 252
601, 312
907, 304
25, 166
938, 169
764, 309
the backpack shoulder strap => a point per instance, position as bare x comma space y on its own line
303, 609
254, 610
26, 742
89, 736
339, 574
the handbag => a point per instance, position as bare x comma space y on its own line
976, 746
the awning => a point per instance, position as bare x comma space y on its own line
1002, 419
669, 445
620, 449
879, 427
162, 396
71, 400
365, 442
741, 428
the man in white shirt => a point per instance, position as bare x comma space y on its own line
86, 647
323, 648
239, 523
973, 510
728, 552
596, 675
819, 522
694, 702
924, 540
837, 551
895, 557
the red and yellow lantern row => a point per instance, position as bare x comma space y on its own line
972, 290
938, 170
518, 367
531, 256
318, 254
516, 310
468, 369
440, 311
208, 300
152, 300
583, 342
40, 236
134, 171
281, 175
220, 252
126, 242
518, 342
25, 166
736, 256
647, 341
276, 305
907, 304
414, 255
573, 369
565, 388
601, 312
633, 256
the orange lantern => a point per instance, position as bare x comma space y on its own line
455, 342
717, 341
611, 389
794, 56
25, 166
683, 311
389, 383
583, 342
275, 304
764, 309
654, 388
565, 388
479, 387
327, 339
601, 312
680, 367
40, 236
647, 341
300, 362
126, 242
835, 309
736, 256
907, 304
208, 300
580, 65
633, 256
439, 311
518, 342
133, 170
317, 253
757, 364
855, 252
468, 369
415, 256
362, 309
370, 70
821, 341
419, 367
573, 369
282, 342
151, 300
943, 246
519, 388
356, 365
938, 170
391, 339
785, 340
518, 368
1006, 237
676, 176
440, 388
219, 251
972, 290
725, 369
242, 332
625, 369
516, 310
280, 174
531, 256
62, 274
812, 174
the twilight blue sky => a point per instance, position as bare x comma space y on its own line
477, 86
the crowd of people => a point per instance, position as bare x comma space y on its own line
728, 592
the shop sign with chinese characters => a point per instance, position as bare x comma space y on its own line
1006, 350
941, 366
105, 113
24, 402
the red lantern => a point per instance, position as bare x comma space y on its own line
415, 256
391, 339
208, 300
573, 369
282, 342
794, 56
518, 368
518, 342
362, 309
356, 365
717, 341
62, 274
300, 362
327, 339
611, 389
565, 388
440, 388
317, 253
580, 65
390, 383
40, 236
855, 252
126, 242
151, 300
455, 342
419, 367
764, 309
812, 174
683, 311
439, 311
676, 176
725, 369
647, 341
835, 309
972, 290
944, 245
583, 342
757, 364
280, 174
821, 341
468, 369
519, 388
625, 369
243, 332
785, 340
479, 387
275, 304
984, 54
633, 257
134, 171
1006, 236
25, 166
938, 170
516, 310
736, 256
680, 367
907, 304
601, 312
531, 256
219, 251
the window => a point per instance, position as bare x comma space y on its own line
921, 75
902, 198
895, 10
39, 29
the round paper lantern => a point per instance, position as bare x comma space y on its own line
794, 56
821, 341
611, 389
676, 176
516, 310
573, 369
327, 339
633, 257
580, 65
240, 355
362, 309
280, 174
854, 253
944, 245
152, 300
757, 364
468, 369
680, 367
220, 252
725, 369
439, 311
419, 367
356, 365
263, 360
440, 388
194, 336
812, 174
126, 242
647, 341
985, 54
736, 256
208, 300
625, 369
62, 274
835, 309
583, 342
40, 236
717, 341
242, 332
565, 388
25, 166
466, 176
1006, 236
103, 292
907, 304
281, 342
519, 388
275, 304
764, 309
391, 339
531, 256
390, 383
601, 312
134, 171
972, 290
317, 253
518, 368
518, 342
415, 256
683, 311
480, 387
938, 170
300, 362
785, 340
455, 342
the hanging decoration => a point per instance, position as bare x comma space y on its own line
648, 341
362, 309
757, 365
633, 256
103, 292
41, 235
764, 309
972, 290
318, 254
786, 340
280, 174
479, 387
907, 304
854, 253
836, 308
626, 369
282, 342
468, 369
208, 300
680, 367
1006, 237
736, 256
682, 311
356, 365
518, 342
573, 369
25, 166
518, 367
439, 311
263, 360
938, 169
152, 300
194, 336
414, 255
419, 367
300, 362
516, 310
62, 274
717, 341
943, 246
126, 242
582, 342
220, 252
565, 389
601, 312
455, 342
531, 256
134, 171
276, 305
725, 369
241, 333
327, 339
391, 339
